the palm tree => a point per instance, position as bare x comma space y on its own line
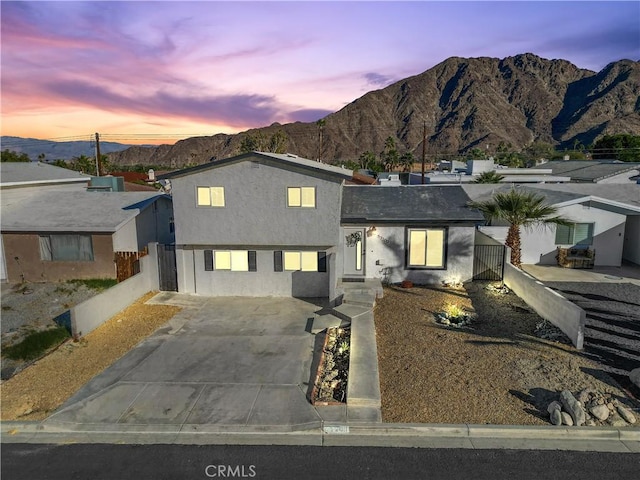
489, 177
519, 209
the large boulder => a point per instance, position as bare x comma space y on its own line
634, 376
572, 407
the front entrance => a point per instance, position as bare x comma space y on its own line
488, 262
354, 251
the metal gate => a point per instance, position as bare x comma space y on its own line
488, 262
167, 268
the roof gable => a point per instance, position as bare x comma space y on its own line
286, 161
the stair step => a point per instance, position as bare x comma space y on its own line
322, 322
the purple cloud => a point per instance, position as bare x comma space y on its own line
307, 115
378, 79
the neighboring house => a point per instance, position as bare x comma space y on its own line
606, 219
593, 171
276, 224
420, 233
60, 235
41, 175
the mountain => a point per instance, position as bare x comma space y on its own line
463, 102
57, 150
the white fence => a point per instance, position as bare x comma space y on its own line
90, 314
550, 305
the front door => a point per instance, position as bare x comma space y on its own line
354, 251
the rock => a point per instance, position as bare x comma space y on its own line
572, 406
610, 406
556, 417
583, 396
590, 423
634, 376
566, 419
627, 414
601, 412
554, 406
616, 421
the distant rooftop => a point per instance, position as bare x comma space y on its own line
36, 173
588, 170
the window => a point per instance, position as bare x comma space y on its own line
426, 248
233, 260
300, 261
66, 248
301, 197
210, 196
575, 234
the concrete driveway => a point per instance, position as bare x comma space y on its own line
221, 364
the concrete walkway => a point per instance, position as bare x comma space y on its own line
552, 273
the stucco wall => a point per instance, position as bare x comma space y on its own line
385, 256
152, 224
263, 282
550, 305
92, 313
255, 211
125, 239
539, 247
27, 248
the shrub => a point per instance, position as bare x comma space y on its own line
37, 343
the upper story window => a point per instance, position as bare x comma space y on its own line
210, 196
66, 248
574, 234
426, 248
301, 197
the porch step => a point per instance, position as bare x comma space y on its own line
362, 299
322, 322
350, 312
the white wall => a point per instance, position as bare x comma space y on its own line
385, 256
126, 238
3, 265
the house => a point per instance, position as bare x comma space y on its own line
61, 235
41, 175
593, 171
606, 220
275, 224
420, 233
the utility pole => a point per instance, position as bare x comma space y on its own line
424, 147
98, 160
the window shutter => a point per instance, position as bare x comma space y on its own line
583, 233
253, 264
322, 261
208, 260
277, 261
563, 234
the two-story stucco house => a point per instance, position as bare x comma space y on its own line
262, 224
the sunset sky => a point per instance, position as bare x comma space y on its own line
152, 72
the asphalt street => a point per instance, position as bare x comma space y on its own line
102, 462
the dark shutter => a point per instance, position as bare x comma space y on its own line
277, 261
253, 265
208, 260
322, 261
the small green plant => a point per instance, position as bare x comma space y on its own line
454, 311
6, 307
98, 284
37, 343
343, 347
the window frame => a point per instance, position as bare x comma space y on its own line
301, 197
210, 260
572, 234
48, 249
445, 245
319, 258
211, 197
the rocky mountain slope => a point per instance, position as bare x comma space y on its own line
463, 102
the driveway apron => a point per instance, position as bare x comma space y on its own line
221, 364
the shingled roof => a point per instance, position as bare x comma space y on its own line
407, 204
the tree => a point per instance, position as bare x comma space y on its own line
11, 156
390, 156
489, 177
519, 209
624, 147
259, 142
366, 160
406, 161
321, 124
476, 154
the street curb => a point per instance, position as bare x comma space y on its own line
375, 434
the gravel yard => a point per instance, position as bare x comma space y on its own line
38, 390
495, 371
